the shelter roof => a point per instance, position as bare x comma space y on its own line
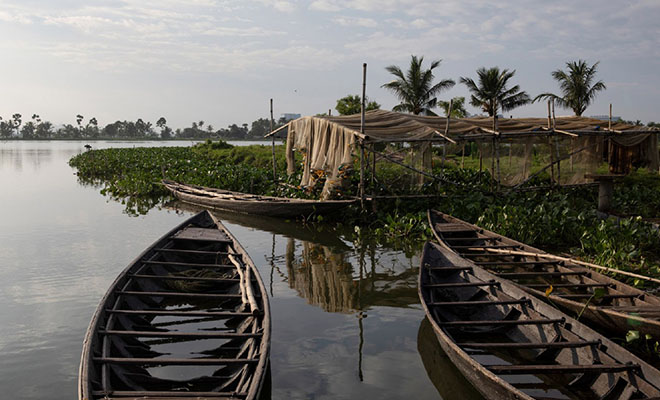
390, 126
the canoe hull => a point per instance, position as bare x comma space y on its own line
123, 304
442, 310
251, 204
608, 319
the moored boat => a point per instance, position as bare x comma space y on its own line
513, 346
189, 318
609, 303
281, 207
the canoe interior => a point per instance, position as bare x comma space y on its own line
510, 345
612, 305
177, 322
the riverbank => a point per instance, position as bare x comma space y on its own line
563, 219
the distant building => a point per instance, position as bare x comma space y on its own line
290, 116
606, 118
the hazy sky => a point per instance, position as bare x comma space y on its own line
221, 61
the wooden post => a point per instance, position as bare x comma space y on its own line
444, 144
463, 156
362, 122
609, 125
554, 126
552, 157
373, 177
329, 112
273, 141
493, 153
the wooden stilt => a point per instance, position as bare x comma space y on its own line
554, 126
362, 122
273, 141
552, 157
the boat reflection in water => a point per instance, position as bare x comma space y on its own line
447, 379
357, 280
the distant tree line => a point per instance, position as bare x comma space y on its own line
16, 128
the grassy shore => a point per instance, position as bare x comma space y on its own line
561, 220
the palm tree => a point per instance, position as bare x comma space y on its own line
415, 88
576, 86
457, 107
492, 93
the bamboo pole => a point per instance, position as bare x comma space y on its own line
241, 275
247, 295
444, 144
571, 260
273, 141
552, 157
362, 122
554, 127
463, 156
278, 129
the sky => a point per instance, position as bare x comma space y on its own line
220, 61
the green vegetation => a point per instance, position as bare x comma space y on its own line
457, 107
576, 86
38, 129
491, 93
415, 88
352, 104
563, 220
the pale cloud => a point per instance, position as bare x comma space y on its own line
362, 22
325, 5
420, 23
279, 5
13, 17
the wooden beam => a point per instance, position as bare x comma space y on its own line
530, 321
478, 303
530, 345
559, 369
278, 129
573, 261
176, 361
172, 334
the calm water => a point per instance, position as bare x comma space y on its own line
346, 322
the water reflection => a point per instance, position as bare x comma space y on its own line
13, 158
322, 277
447, 379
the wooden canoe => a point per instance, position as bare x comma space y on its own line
188, 319
510, 345
280, 207
616, 307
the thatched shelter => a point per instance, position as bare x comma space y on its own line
574, 146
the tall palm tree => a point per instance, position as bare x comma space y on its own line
576, 86
492, 93
415, 88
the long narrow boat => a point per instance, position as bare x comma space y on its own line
189, 318
281, 207
511, 346
602, 300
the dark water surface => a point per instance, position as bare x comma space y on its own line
346, 321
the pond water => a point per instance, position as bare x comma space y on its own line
346, 321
